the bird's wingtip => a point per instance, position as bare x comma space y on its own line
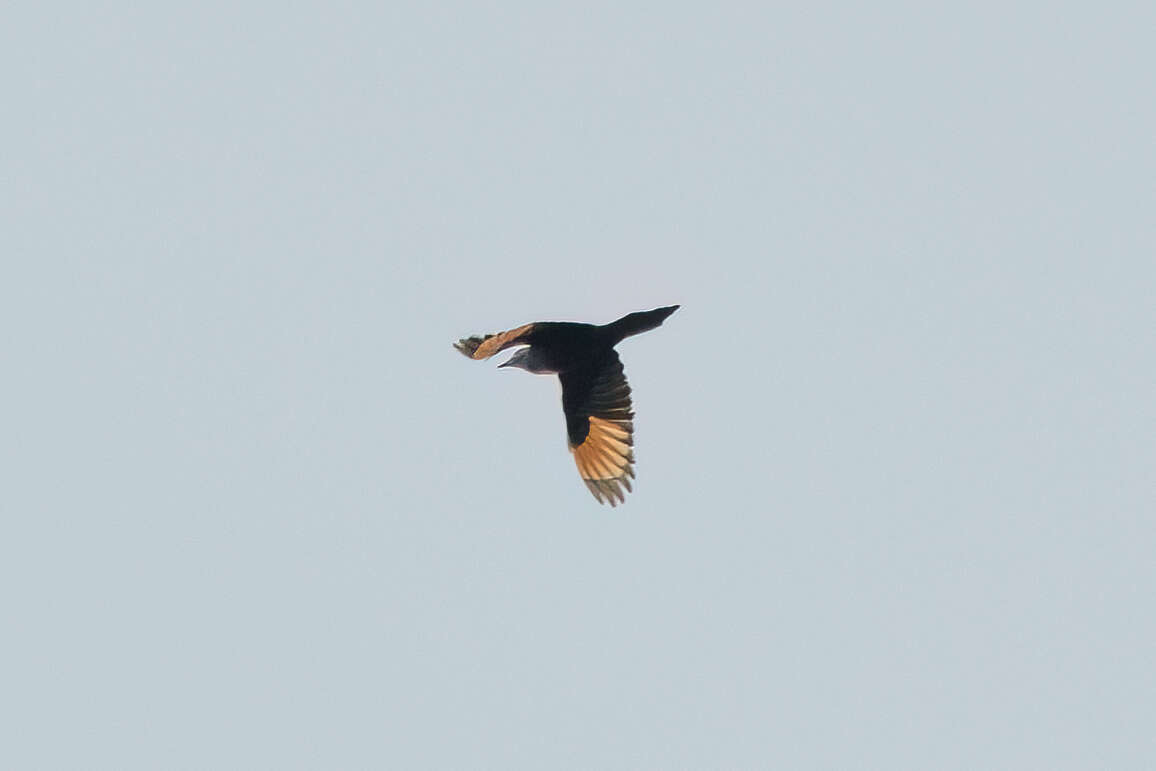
467, 346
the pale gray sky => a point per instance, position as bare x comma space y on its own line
895, 454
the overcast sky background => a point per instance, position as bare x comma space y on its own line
895, 492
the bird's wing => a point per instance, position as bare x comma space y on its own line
599, 421
484, 347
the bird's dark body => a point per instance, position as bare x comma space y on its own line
564, 346
595, 395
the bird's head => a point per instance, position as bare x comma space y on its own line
528, 359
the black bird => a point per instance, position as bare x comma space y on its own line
595, 394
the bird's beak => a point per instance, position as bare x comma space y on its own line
505, 363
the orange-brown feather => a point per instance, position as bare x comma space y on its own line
604, 459
487, 345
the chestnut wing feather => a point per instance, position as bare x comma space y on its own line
600, 426
485, 346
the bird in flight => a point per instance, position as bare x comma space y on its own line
595, 394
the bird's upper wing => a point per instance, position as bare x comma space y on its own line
599, 421
484, 347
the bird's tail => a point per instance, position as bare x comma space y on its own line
637, 323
